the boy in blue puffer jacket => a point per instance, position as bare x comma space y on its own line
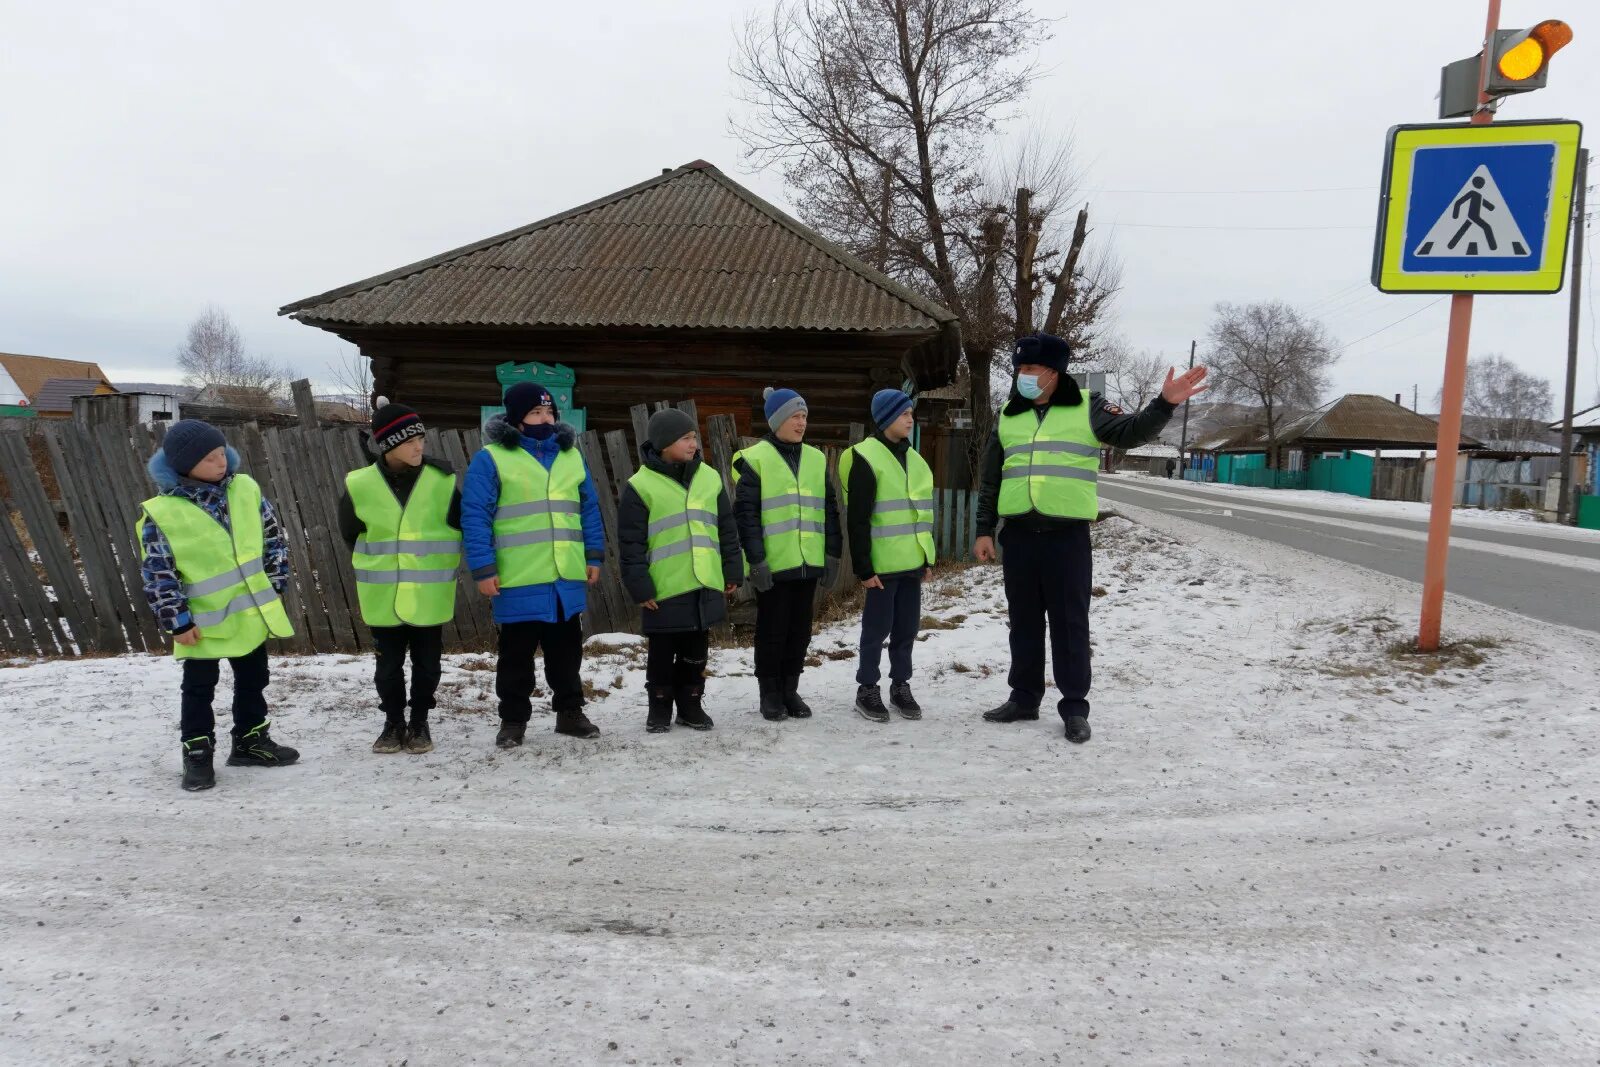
531, 528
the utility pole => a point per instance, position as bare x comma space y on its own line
1413, 398
1573, 319
1183, 439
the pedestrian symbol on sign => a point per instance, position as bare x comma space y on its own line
1476, 222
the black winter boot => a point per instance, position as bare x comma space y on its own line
793, 706
690, 711
393, 738
418, 740
256, 748
869, 703
575, 723
1011, 711
198, 773
1077, 729
659, 720
772, 703
906, 704
511, 734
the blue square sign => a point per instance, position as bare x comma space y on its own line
1482, 207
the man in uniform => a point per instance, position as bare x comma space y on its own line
1039, 477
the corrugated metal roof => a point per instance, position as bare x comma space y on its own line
56, 393
31, 372
1366, 418
690, 248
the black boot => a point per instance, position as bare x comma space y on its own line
691, 713
869, 703
1011, 711
256, 748
659, 720
418, 740
393, 738
198, 773
906, 704
511, 734
793, 706
1077, 729
772, 705
575, 723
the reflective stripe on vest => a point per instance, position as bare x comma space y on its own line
902, 514
231, 599
792, 505
1049, 465
682, 547
405, 562
538, 522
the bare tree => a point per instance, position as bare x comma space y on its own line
1271, 355
353, 375
213, 356
1133, 379
880, 114
1515, 404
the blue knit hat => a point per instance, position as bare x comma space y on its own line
523, 398
887, 404
782, 404
188, 441
1045, 349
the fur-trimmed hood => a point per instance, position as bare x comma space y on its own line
501, 432
168, 479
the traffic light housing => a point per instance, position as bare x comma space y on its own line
1520, 59
1519, 62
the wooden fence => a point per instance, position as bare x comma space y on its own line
69, 551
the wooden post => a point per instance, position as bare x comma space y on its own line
304, 405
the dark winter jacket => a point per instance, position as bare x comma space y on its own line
401, 482
698, 609
1109, 423
747, 513
480, 499
163, 588
861, 493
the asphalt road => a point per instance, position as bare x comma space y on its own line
1544, 575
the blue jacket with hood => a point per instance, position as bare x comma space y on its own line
162, 586
480, 499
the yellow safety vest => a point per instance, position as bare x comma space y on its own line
231, 599
684, 550
538, 523
1050, 465
902, 515
406, 561
792, 506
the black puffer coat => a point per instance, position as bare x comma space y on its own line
698, 609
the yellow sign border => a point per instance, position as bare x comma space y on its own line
1403, 144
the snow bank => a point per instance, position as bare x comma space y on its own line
1289, 842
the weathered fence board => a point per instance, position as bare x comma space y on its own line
27, 492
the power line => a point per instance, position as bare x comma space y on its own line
1231, 192
1230, 229
1396, 322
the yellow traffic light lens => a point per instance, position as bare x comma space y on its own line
1522, 60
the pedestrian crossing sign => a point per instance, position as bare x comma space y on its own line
1476, 209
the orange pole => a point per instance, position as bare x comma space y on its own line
1455, 387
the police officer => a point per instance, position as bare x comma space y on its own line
1039, 477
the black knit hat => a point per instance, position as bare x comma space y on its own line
523, 398
393, 425
188, 441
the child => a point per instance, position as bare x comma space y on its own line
401, 518
680, 560
531, 524
214, 565
888, 491
789, 526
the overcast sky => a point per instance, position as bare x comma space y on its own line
159, 157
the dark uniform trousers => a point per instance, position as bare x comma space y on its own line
1048, 577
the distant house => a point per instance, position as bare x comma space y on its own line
46, 386
126, 409
685, 286
241, 397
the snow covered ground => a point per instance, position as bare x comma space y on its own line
1344, 503
1287, 843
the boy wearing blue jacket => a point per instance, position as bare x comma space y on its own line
531, 527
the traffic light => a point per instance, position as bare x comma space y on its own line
1519, 62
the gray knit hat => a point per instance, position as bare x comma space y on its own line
667, 425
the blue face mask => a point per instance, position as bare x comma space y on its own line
540, 431
1028, 386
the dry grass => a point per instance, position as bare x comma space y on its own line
480, 663
1455, 655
